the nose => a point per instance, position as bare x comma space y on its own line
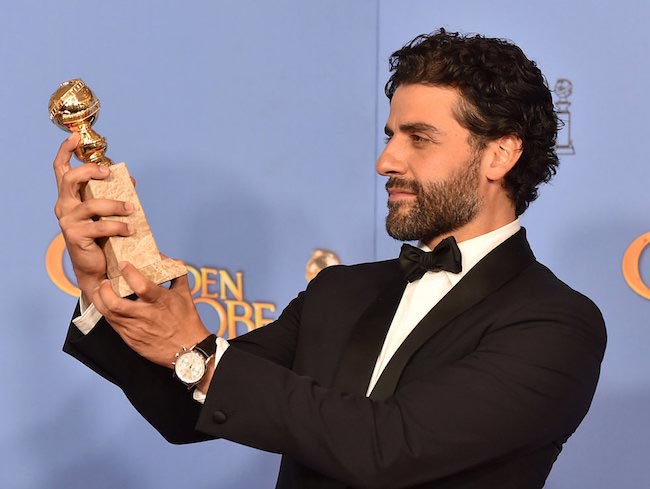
389, 161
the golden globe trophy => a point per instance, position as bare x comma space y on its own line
74, 108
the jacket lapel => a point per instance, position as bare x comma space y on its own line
367, 337
495, 269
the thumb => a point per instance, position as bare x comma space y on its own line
62, 160
144, 288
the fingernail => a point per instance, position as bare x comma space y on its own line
122, 265
128, 206
103, 170
129, 227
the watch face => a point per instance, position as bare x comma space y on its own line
190, 367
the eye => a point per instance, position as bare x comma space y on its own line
417, 139
387, 139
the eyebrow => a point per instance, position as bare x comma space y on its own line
411, 127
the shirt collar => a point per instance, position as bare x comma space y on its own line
475, 249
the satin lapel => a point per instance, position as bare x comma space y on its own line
360, 355
498, 267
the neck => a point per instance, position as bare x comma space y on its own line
485, 221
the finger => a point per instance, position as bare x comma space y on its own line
118, 324
97, 300
92, 208
72, 179
62, 160
112, 305
71, 182
144, 288
80, 232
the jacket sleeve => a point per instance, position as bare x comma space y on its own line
528, 383
161, 399
157, 396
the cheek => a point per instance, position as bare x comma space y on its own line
429, 173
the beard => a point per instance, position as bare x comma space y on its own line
438, 207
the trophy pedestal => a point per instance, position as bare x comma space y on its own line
140, 248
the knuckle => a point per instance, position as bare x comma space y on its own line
86, 206
73, 240
58, 210
107, 228
66, 223
140, 290
100, 227
62, 146
67, 178
138, 285
114, 307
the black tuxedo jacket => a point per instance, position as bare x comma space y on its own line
482, 394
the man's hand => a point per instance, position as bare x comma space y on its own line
78, 220
159, 322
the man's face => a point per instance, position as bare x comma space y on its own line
434, 172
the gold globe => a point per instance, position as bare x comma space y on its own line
74, 108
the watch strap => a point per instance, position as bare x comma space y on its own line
208, 346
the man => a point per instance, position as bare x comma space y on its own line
467, 367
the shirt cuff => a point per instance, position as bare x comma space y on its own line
222, 346
90, 316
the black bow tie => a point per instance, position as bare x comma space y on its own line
415, 262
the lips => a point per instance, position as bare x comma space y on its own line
400, 189
399, 194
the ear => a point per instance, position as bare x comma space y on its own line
503, 153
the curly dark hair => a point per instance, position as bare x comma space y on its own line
502, 92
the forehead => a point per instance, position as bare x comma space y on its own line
434, 105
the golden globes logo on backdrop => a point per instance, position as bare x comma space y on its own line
563, 90
631, 265
217, 289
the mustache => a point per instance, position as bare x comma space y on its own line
404, 184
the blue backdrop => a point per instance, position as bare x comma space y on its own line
252, 129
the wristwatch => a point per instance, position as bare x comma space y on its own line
190, 365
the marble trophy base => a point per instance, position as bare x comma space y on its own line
139, 248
